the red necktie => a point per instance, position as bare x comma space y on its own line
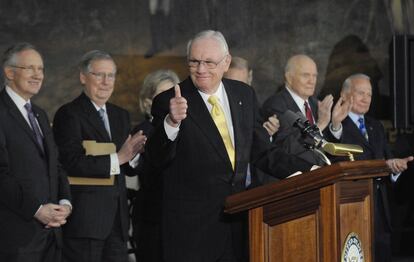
309, 113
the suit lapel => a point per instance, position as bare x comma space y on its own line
372, 135
199, 113
17, 115
313, 102
115, 125
290, 103
356, 133
94, 119
236, 107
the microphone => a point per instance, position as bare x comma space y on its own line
312, 131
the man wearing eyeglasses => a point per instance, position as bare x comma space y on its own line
206, 130
98, 229
34, 191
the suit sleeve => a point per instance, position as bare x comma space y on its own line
68, 135
159, 149
272, 158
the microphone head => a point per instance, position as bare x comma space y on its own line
291, 117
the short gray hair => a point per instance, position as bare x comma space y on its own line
239, 63
346, 86
91, 56
217, 35
10, 55
151, 83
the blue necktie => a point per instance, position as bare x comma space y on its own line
362, 128
105, 121
34, 125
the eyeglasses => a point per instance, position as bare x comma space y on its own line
194, 63
30, 69
100, 76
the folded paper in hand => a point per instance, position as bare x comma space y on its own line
95, 149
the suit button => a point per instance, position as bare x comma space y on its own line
233, 184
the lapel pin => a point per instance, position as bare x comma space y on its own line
240, 103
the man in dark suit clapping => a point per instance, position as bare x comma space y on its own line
34, 191
354, 126
98, 228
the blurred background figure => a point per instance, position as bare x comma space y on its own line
160, 26
146, 214
240, 70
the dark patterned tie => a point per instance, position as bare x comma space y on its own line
34, 125
308, 112
362, 128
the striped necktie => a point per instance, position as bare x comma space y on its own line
362, 128
35, 126
220, 120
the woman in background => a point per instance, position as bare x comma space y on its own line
146, 215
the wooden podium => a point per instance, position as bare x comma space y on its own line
308, 217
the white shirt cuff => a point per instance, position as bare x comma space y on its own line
134, 162
115, 169
337, 133
172, 132
38, 210
394, 177
65, 202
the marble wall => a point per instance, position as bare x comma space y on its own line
342, 36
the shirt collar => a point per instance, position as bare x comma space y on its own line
97, 107
298, 100
17, 99
219, 94
354, 117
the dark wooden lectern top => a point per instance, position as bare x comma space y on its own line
305, 182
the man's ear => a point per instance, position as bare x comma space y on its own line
250, 77
288, 78
227, 60
82, 78
9, 73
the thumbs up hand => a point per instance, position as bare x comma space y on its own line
178, 108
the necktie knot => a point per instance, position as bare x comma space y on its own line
28, 107
213, 100
102, 113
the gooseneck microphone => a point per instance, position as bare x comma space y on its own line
312, 131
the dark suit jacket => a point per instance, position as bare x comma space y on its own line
287, 136
375, 148
28, 177
95, 207
197, 173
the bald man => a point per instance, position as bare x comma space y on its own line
298, 96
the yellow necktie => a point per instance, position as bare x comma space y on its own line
220, 120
